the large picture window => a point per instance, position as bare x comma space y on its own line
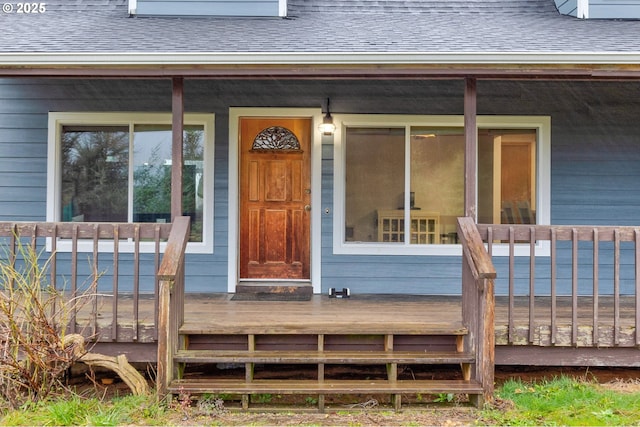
117, 168
400, 180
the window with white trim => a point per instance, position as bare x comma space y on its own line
399, 180
116, 167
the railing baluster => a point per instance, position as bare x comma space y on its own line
616, 287
34, 244
532, 280
74, 276
156, 281
511, 283
596, 290
136, 281
490, 241
574, 286
13, 242
636, 233
554, 273
94, 287
114, 306
54, 264
34, 239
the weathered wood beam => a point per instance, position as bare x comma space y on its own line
620, 72
470, 148
567, 356
177, 128
522, 232
84, 230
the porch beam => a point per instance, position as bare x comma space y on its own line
471, 148
302, 72
177, 122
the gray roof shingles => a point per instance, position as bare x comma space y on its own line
321, 26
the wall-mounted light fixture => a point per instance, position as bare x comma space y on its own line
327, 127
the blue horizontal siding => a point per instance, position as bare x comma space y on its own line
595, 162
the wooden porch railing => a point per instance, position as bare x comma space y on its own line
124, 271
478, 304
171, 301
582, 291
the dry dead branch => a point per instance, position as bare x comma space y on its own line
117, 364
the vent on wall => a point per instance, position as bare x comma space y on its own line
199, 8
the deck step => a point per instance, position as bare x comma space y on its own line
335, 327
328, 357
226, 386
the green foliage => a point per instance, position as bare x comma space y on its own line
444, 398
75, 410
564, 401
262, 398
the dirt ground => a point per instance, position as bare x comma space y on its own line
359, 410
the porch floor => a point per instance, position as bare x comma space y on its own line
374, 314
365, 314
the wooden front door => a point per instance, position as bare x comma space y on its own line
275, 197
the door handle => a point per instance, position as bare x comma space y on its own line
307, 208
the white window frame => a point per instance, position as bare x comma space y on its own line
54, 176
542, 124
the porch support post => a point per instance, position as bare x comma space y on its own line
471, 149
177, 122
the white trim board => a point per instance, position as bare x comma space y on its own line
53, 59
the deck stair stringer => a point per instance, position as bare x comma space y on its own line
256, 347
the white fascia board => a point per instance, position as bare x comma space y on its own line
311, 58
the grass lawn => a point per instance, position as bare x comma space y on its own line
559, 401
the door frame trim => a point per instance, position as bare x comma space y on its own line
233, 241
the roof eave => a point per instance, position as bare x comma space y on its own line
605, 65
39, 59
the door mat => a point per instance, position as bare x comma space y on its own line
263, 296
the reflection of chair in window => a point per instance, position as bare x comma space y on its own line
517, 212
508, 214
526, 214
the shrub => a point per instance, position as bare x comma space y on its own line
34, 316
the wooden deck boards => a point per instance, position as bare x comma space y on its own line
326, 387
373, 314
364, 314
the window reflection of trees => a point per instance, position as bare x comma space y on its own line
94, 172
95, 177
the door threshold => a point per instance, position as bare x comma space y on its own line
278, 287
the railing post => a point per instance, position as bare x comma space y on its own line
164, 368
171, 302
478, 304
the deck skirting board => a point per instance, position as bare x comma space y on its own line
568, 356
